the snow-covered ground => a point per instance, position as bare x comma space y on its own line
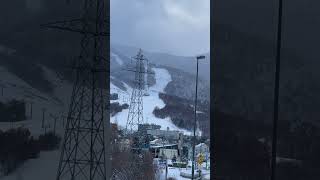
44, 168
54, 104
117, 58
162, 77
175, 173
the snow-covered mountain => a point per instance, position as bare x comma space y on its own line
42, 80
173, 75
39, 104
183, 63
182, 70
46, 87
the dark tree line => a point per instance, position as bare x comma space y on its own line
181, 112
17, 146
129, 165
12, 111
116, 107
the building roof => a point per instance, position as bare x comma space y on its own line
160, 146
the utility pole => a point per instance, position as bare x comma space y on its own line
276, 94
195, 117
2, 90
63, 119
54, 122
45, 128
166, 168
43, 117
84, 154
54, 125
31, 104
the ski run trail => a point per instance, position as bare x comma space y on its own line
150, 102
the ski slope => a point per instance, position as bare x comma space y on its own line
117, 58
55, 104
162, 77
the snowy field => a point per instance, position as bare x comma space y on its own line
162, 78
175, 173
56, 104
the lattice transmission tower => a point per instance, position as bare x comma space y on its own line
84, 155
135, 115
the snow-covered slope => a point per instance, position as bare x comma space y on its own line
162, 78
54, 105
183, 63
117, 59
182, 70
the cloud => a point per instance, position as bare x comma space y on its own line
189, 12
180, 27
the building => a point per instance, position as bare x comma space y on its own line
143, 128
114, 96
167, 134
167, 151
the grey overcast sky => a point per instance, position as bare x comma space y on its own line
180, 27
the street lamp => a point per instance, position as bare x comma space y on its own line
195, 116
276, 92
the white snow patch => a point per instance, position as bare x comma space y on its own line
44, 167
117, 58
162, 77
55, 104
123, 96
175, 173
